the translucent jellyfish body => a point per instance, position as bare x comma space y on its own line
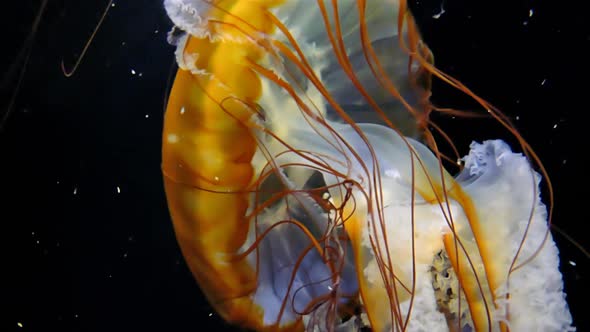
303, 198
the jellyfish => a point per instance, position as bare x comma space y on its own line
308, 191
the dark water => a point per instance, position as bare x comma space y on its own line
88, 241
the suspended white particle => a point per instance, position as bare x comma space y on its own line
439, 14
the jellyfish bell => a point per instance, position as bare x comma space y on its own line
302, 179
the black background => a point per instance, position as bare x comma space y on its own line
80, 256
